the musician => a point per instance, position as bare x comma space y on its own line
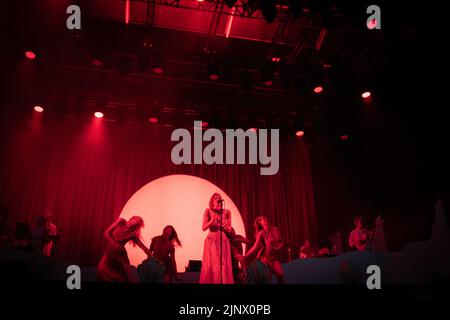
359, 238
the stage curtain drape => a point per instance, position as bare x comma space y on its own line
83, 171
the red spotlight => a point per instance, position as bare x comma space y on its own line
300, 133
344, 137
98, 114
205, 124
253, 129
268, 83
213, 77
158, 70
38, 109
366, 94
153, 120
30, 55
318, 89
97, 62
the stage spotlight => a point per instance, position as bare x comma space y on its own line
153, 120
253, 129
97, 62
344, 137
205, 124
366, 95
318, 89
158, 61
38, 109
30, 55
98, 114
267, 74
213, 71
300, 133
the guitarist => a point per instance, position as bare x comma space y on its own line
360, 237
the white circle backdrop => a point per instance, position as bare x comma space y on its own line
180, 201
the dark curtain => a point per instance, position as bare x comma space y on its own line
83, 171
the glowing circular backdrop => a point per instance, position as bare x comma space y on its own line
178, 200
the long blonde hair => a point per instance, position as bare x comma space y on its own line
136, 223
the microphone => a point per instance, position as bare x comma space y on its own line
220, 201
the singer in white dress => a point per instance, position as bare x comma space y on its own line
216, 263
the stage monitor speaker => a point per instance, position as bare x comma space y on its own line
194, 266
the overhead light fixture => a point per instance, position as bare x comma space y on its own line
213, 71
267, 74
158, 61
30, 55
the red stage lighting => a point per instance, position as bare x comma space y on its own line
366, 95
268, 83
30, 55
98, 114
153, 120
213, 77
97, 62
318, 89
344, 137
253, 129
38, 109
205, 124
300, 133
158, 70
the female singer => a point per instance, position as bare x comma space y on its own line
161, 267
114, 265
216, 264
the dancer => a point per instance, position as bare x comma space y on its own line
161, 267
236, 242
216, 264
263, 254
114, 265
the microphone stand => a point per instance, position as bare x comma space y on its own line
221, 236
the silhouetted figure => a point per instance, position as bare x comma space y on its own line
115, 265
161, 266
